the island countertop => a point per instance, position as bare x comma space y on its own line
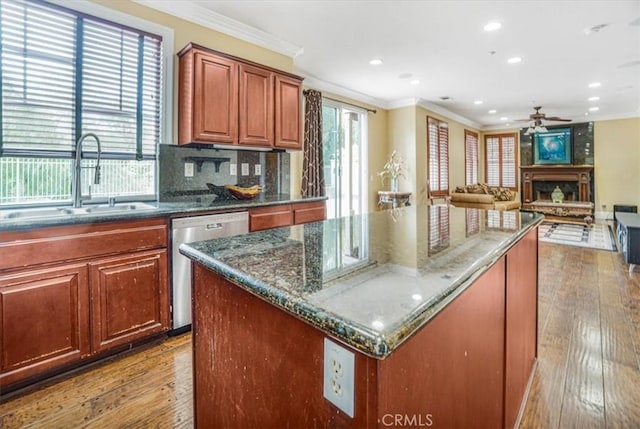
398, 270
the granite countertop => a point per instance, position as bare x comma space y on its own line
188, 205
373, 292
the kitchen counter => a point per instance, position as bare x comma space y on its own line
436, 305
189, 205
382, 300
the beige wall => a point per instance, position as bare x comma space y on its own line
617, 163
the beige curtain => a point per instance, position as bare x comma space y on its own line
313, 165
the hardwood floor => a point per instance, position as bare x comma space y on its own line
588, 372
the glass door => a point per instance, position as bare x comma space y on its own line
344, 143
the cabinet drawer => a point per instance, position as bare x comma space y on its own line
57, 244
270, 217
308, 212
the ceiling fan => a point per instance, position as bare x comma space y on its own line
536, 121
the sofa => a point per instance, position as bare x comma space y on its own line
485, 197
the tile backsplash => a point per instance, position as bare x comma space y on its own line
269, 169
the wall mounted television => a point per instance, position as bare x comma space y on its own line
552, 147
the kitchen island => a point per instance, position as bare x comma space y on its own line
437, 304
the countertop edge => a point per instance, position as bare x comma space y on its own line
163, 209
367, 341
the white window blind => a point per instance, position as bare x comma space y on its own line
438, 156
501, 160
439, 230
471, 157
65, 74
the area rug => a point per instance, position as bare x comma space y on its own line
596, 236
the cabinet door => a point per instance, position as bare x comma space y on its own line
288, 126
44, 321
215, 99
129, 298
308, 212
256, 106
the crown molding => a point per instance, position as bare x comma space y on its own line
448, 113
322, 85
193, 12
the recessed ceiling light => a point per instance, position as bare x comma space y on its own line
477, 102
586, 113
445, 98
415, 82
405, 76
376, 61
593, 109
594, 98
514, 60
504, 118
594, 84
492, 111
492, 26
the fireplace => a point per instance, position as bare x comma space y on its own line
539, 181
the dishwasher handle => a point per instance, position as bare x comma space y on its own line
213, 226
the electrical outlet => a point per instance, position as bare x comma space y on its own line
245, 168
233, 169
188, 169
339, 372
257, 169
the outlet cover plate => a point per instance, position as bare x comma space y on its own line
257, 169
188, 169
245, 168
233, 169
339, 374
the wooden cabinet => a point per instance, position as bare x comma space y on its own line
75, 293
227, 100
285, 215
44, 320
256, 106
288, 127
129, 300
270, 217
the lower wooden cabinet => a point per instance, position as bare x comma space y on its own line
128, 299
56, 313
285, 215
44, 320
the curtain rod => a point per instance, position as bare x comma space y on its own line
344, 102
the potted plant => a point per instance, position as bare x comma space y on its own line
394, 169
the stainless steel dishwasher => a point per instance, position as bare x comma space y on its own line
187, 230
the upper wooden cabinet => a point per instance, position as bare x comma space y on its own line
226, 100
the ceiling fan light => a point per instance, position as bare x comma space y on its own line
530, 130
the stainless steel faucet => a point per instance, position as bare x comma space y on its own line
76, 184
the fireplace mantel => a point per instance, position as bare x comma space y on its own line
556, 173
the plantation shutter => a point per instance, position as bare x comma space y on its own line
438, 156
471, 157
65, 74
501, 159
493, 161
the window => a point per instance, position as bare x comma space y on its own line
344, 142
501, 160
438, 157
64, 74
470, 157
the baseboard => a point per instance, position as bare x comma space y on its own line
604, 215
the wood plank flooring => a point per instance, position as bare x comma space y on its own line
587, 376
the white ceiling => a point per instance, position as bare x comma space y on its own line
443, 44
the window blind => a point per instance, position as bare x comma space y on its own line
470, 157
501, 160
65, 74
438, 156
439, 230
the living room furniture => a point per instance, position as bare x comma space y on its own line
629, 237
483, 201
396, 199
563, 209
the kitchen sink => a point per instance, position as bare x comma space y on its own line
56, 212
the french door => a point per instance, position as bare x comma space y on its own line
344, 152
